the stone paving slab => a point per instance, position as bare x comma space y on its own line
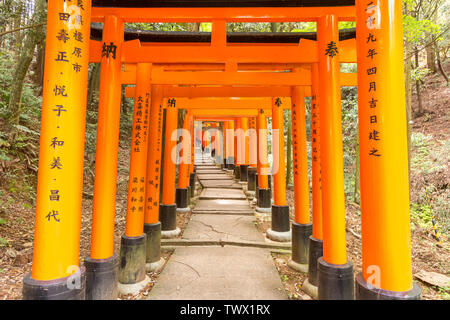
210, 171
222, 227
212, 167
231, 184
219, 273
213, 177
223, 206
221, 193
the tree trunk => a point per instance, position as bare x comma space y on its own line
408, 92
418, 88
431, 58
356, 190
33, 37
441, 69
93, 84
194, 27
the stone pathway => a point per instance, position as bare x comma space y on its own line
220, 272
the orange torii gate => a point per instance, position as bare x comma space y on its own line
378, 51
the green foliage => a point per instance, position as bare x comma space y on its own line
422, 214
4, 242
416, 30
350, 136
3, 221
418, 74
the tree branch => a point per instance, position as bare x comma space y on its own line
22, 28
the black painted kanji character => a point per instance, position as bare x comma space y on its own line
63, 36
77, 52
278, 102
372, 71
371, 53
78, 36
56, 163
64, 16
60, 91
62, 56
374, 135
373, 103
59, 109
56, 143
371, 38
54, 195
76, 67
374, 153
332, 49
171, 103
53, 214
109, 49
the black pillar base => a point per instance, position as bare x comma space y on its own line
300, 242
264, 198
192, 183
181, 196
244, 172
230, 166
72, 287
237, 172
315, 252
256, 186
335, 281
280, 218
102, 277
153, 243
132, 259
168, 216
251, 179
365, 291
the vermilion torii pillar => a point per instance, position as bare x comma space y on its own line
132, 277
230, 145
102, 265
335, 271
280, 230
237, 156
244, 149
315, 240
168, 207
181, 194
192, 164
152, 225
253, 154
385, 223
264, 196
55, 272
301, 226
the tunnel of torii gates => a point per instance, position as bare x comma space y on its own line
232, 82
